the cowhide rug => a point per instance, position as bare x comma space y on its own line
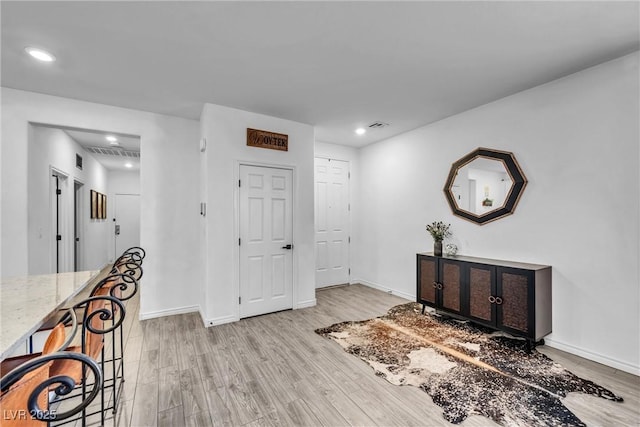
464, 368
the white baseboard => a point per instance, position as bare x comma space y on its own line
373, 285
168, 312
306, 304
234, 318
219, 320
596, 357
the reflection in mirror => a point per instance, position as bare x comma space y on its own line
484, 185
66, 166
481, 186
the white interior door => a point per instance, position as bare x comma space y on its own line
332, 222
127, 222
61, 224
78, 225
266, 228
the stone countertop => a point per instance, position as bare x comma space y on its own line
27, 302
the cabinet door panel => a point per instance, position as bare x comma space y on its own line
428, 274
451, 279
515, 288
481, 287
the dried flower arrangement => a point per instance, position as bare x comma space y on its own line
439, 230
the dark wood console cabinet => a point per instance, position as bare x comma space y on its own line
510, 296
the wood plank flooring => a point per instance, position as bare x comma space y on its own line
273, 370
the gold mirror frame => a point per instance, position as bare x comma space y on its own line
518, 183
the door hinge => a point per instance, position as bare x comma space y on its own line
349, 207
349, 271
239, 300
239, 183
58, 237
349, 175
349, 239
239, 241
58, 192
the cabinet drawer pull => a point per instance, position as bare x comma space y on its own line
498, 300
435, 285
440, 286
492, 299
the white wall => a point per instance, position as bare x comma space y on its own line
120, 182
352, 155
577, 141
123, 182
226, 131
169, 194
47, 148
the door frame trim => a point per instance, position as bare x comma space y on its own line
350, 219
64, 225
80, 254
236, 229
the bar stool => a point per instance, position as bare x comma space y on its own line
112, 291
27, 381
123, 287
14, 403
25, 389
102, 314
55, 341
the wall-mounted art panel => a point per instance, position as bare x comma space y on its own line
98, 205
94, 204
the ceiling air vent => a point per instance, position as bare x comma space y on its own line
118, 152
378, 125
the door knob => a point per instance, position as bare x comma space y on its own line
288, 247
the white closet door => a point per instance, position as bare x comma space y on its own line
331, 222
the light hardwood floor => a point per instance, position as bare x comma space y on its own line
274, 370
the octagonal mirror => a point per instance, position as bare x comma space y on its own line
485, 185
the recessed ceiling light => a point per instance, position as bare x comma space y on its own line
39, 54
111, 138
128, 165
360, 131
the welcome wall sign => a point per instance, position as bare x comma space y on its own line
270, 140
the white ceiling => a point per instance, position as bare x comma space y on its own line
335, 65
116, 161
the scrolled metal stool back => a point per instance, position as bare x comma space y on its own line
121, 286
134, 254
104, 314
66, 384
70, 320
136, 250
127, 266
